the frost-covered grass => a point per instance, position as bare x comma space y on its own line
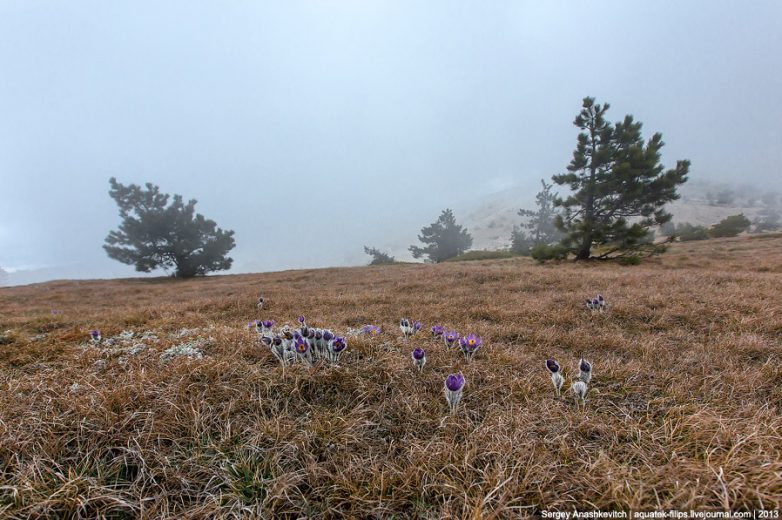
683, 411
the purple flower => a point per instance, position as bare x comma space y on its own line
419, 358
454, 382
260, 302
556, 377
95, 336
328, 335
300, 345
300, 319
370, 330
409, 327
336, 348
404, 324
451, 337
585, 370
339, 344
470, 342
438, 330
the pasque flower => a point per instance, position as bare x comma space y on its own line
556, 375
585, 370
454, 384
469, 345
419, 358
450, 338
370, 330
336, 348
409, 327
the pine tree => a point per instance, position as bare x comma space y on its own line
619, 188
540, 226
379, 257
155, 234
730, 226
444, 239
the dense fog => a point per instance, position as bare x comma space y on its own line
312, 129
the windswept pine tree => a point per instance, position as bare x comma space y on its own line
618, 186
444, 239
155, 234
378, 257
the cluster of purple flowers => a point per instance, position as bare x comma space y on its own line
468, 344
262, 327
579, 386
596, 304
409, 327
308, 344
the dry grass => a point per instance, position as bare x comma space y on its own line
683, 412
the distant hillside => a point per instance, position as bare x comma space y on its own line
492, 221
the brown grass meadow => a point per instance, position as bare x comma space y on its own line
683, 411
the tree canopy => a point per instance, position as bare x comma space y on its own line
618, 186
443, 239
157, 234
730, 226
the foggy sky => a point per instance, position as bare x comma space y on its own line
313, 128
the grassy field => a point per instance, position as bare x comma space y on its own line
683, 411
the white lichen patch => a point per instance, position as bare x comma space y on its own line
135, 349
190, 349
184, 333
150, 336
125, 335
7, 337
